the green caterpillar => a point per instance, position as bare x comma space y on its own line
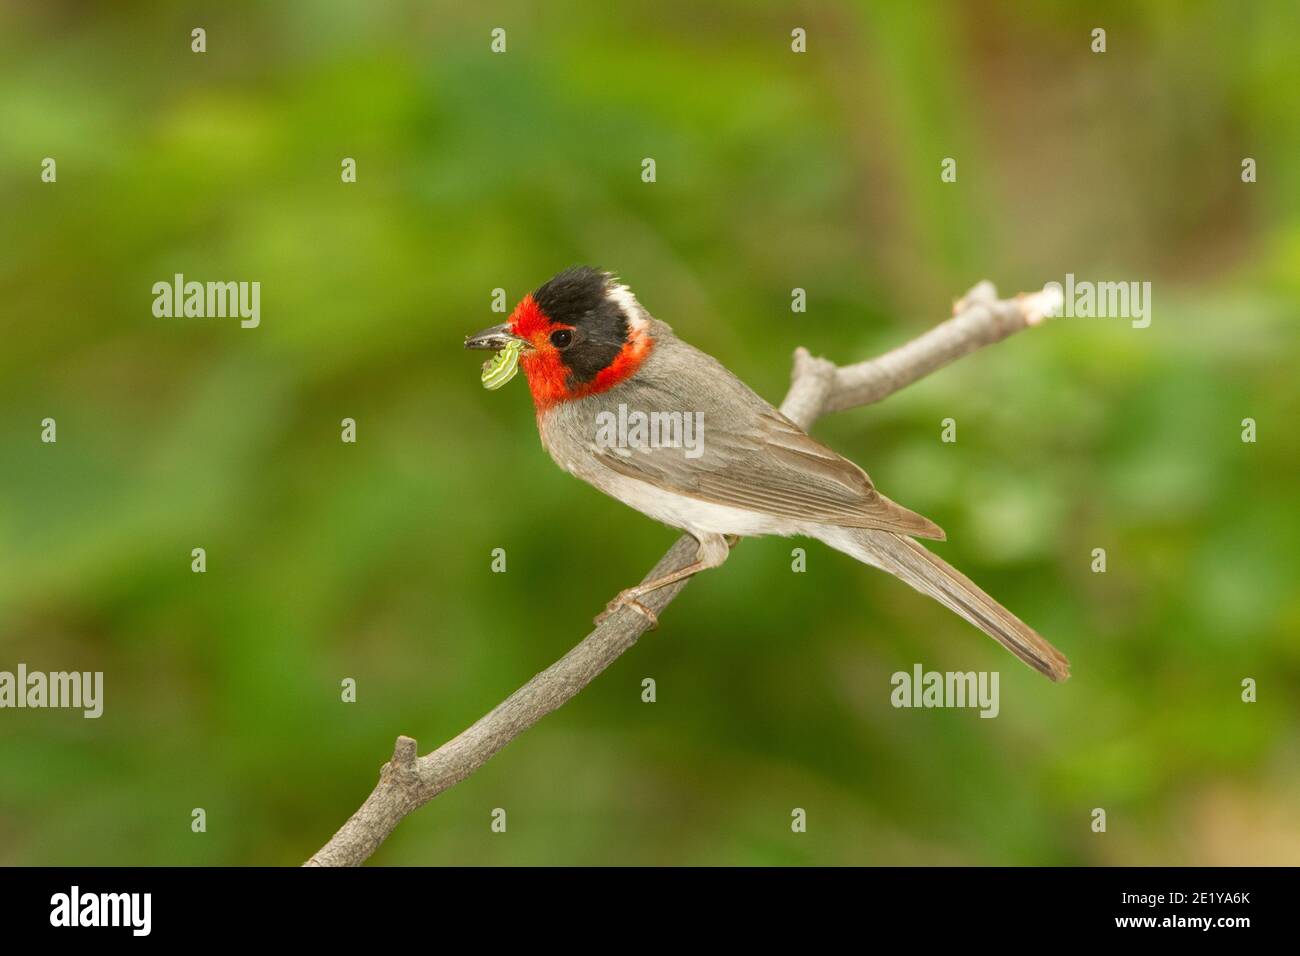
501, 367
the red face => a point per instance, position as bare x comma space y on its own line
581, 341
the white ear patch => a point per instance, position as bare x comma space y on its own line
626, 301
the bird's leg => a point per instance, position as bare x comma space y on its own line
713, 550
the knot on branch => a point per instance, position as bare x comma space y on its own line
401, 770
807, 365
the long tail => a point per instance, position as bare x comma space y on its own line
908, 559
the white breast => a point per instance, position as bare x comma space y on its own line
682, 511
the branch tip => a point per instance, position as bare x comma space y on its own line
1041, 305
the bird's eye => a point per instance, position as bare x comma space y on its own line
562, 338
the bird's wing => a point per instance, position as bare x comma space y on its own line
755, 458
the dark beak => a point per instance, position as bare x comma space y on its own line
493, 339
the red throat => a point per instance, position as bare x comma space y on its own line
548, 376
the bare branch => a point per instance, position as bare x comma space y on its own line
408, 781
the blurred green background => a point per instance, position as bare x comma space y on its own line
774, 170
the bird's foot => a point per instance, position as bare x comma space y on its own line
628, 598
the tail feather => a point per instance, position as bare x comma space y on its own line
931, 575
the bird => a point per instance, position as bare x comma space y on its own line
600, 366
